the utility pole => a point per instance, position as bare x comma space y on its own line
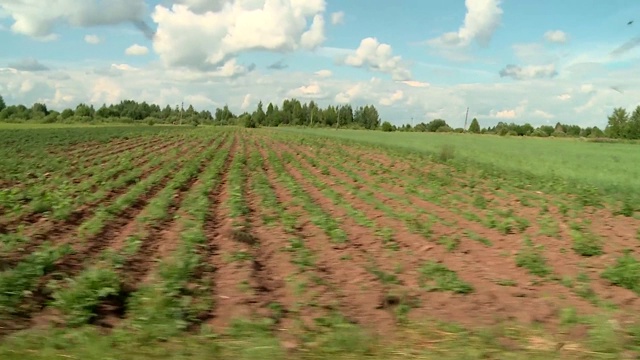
181, 111
465, 119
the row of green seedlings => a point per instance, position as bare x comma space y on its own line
177, 299
386, 235
20, 282
36, 144
505, 227
107, 154
588, 196
433, 276
416, 181
585, 243
77, 298
302, 256
35, 177
65, 195
625, 272
237, 202
414, 222
115, 150
63, 209
506, 222
274, 213
450, 242
39, 144
375, 184
106, 148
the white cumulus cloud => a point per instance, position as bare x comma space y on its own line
378, 56
556, 36
393, 98
323, 73
136, 50
529, 72
92, 39
337, 17
31, 18
208, 39
480, 23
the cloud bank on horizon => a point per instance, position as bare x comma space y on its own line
506, 60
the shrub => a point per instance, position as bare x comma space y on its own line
387, 127
151, 120
447, 152
445, 128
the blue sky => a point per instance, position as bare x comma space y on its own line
522, 61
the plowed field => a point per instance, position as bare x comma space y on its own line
167, 232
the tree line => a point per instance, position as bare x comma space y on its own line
621, 123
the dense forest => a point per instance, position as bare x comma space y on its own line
621, 124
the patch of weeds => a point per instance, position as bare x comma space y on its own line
584, 290
337, 336
567, 282
506, 282
531, 258
480, 202
384, 277
569, 316
507, 226
604, 336
451, 243
436, 277
239, 256
471, 216
388, 239
476, 237
83, 294
255, 339
544, 209
626, 209
563, 209
417, 226
586, 243
549, 227
401, 303
625, 272
590, 196
447, 152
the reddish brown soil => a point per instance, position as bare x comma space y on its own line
505, 305
355, 292
342, 276
230, 300
112, 235
45, 229
10, 223
564, 261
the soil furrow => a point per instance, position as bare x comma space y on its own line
59, 230
562, 259
356, 293
137, 266
34, 218
489, 298
231, 298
